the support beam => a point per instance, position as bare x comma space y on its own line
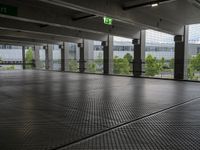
57, 17
139, 55
82, 58
62, 48
137, 63
69, 35
138, 18
19, 43
108, 55
179, 57
49, 57
37, 56
36, 36
46, 57
186, 57
83, 17
27, 40
24, 57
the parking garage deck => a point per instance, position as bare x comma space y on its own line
54, 110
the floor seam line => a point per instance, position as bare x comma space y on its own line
125, 124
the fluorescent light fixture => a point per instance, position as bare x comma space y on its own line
154, 5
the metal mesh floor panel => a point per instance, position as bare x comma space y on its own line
175, 129
54, 110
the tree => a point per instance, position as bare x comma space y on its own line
73, 65
195, 63
193, 66
171, 63
99, 62
190, 72
153, 66
12, 67
29, 57
121, 66
129, 57
91, 67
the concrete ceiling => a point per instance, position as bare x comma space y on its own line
72, 20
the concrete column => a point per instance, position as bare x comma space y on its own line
179, 57
137, 63
49, 57
23, 57
86, 54
82, 58
46, 57
37, 57
62, 49
186, 57
139, 55
108, 55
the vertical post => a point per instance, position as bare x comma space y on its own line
37, 56
186, 40
82, 58
137, 64
179, 57
23, 57
50, 52
46, 57
66, 55
49, 57
139, 54
62, 57
108, 55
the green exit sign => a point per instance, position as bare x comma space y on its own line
107, 20
8, 10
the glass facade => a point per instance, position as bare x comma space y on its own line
42, 58
72, 61
123, 53
56, 58
159, 54
193, 58
29, 60
94, 62
10, 53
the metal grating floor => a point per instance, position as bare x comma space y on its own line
53, 110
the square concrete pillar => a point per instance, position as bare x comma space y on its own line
137, 63
86, 54
48, 57
82, 58
62, 49
179, 60
37, 57
108, 55
181, 55
139, 55
186, 51
23, 57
